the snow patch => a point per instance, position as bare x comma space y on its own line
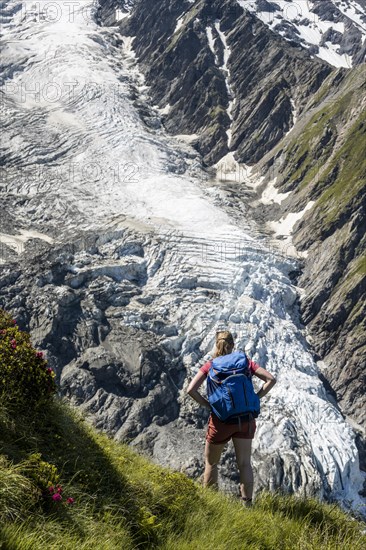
286, 224
311, 28
165, 110
228, 169
294, 117
330, 55
354, 11
179, 24
271, 194
227, 51
127, 45
211, 42
119, 15
187, 138
224, 68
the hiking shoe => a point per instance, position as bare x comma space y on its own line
246, 502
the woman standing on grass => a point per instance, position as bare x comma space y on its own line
219, 433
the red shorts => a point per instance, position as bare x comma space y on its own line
218, 432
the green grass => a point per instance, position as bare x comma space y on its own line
350, 163
360, 266
302, 166
122, 500
331, 172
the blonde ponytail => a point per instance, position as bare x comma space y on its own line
224, 343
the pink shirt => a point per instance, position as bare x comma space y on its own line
252, 366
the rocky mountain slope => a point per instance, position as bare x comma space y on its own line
323, 161
215, 70
125, 316
333, 30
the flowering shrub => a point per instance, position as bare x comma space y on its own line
25, 379
41, 472
45, 477
56, 494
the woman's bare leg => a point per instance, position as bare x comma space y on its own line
243, 451
212, 458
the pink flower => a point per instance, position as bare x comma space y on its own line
51, 489
59, 489
39, 354
49, 370
3, 331
57, 497
14, 321
13, 343
70, 500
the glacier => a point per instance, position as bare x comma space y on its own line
78, 158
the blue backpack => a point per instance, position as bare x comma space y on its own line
230, 389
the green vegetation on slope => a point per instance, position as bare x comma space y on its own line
349, 168
327, 161
335, 176
124, 501
307, 154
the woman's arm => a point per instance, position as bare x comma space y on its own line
192, 390
269, 381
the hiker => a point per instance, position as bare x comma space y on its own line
241, 429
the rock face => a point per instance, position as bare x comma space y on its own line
222, 73
113, 370
331, 30
324, 162
113, 11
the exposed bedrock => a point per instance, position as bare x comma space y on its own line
197, 58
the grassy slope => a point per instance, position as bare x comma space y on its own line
124, 501
350, 163
326, 163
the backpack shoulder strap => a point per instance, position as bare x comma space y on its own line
212, 372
